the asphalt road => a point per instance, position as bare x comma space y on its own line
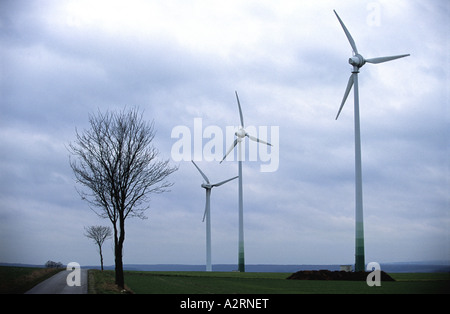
57, 284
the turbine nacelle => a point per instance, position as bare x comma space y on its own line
241, 133
357, 60
207, 186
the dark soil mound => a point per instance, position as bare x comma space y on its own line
335, 275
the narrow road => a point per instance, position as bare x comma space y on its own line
57, 284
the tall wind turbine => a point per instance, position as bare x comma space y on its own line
357, 61
208, 186
241, 134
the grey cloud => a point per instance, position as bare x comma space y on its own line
293, 77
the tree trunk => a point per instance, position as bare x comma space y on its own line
119, 267
120, 281
101, 256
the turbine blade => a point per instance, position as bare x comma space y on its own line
201, 172
347, 91
347, 33
230, 149
206, 207
384, 59
207, 203
257, 139
240, 110
223, 182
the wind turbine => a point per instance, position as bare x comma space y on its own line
208, 186
241, 134
357, 61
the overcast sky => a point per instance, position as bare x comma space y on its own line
183, 60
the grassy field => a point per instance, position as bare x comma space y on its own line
21, 279
268, 283
16, 280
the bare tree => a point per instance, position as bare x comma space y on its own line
118, 166
99, 234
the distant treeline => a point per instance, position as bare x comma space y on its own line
52, 264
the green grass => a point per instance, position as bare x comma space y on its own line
102, 282
275, 283
21, 279
14, 280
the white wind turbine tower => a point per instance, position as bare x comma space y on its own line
357, 61
208, 186
241, 134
